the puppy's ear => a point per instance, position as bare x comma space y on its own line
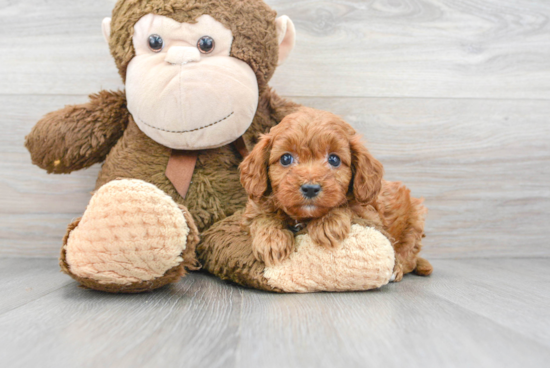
367, 172
254, 168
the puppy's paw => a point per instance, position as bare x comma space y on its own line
397, 273
273, 246
331, 230
327, 236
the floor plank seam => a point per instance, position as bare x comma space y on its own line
142, 337
239, 329
68, 283
492, 321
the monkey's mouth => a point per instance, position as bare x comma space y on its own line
186, 131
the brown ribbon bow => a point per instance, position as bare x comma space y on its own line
181, 166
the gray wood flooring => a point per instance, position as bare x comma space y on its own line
470, 313
453, 96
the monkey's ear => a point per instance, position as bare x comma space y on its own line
286, 34
254, 168
106, 26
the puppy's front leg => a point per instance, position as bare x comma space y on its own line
330, 230
272, 242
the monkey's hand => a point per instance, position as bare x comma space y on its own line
272, 243
78, 136
330, 230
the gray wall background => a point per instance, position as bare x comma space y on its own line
452, 96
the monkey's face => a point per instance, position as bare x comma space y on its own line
184, 90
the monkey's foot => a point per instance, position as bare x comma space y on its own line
363, 261
132, 238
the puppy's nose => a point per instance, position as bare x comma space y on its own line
310, 190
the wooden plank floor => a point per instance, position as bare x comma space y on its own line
470, 313
452, 96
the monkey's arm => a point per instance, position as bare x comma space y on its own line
78, 136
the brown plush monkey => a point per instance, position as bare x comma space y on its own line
196, 99
196, 74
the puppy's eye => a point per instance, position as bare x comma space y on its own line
286, 160
334, 160
206, 45
156, 43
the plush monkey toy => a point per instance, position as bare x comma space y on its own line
196, 74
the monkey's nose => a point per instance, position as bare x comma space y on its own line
182, 55
310, 190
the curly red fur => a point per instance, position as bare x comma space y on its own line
353, 191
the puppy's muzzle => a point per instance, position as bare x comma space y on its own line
310, 190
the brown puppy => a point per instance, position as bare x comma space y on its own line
313, 172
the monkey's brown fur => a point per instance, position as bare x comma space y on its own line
79, 136
252, 23
225, 251
102, 130
353, 189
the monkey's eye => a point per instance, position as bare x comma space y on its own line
206, 44
286, 160
156, 43
334, 160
